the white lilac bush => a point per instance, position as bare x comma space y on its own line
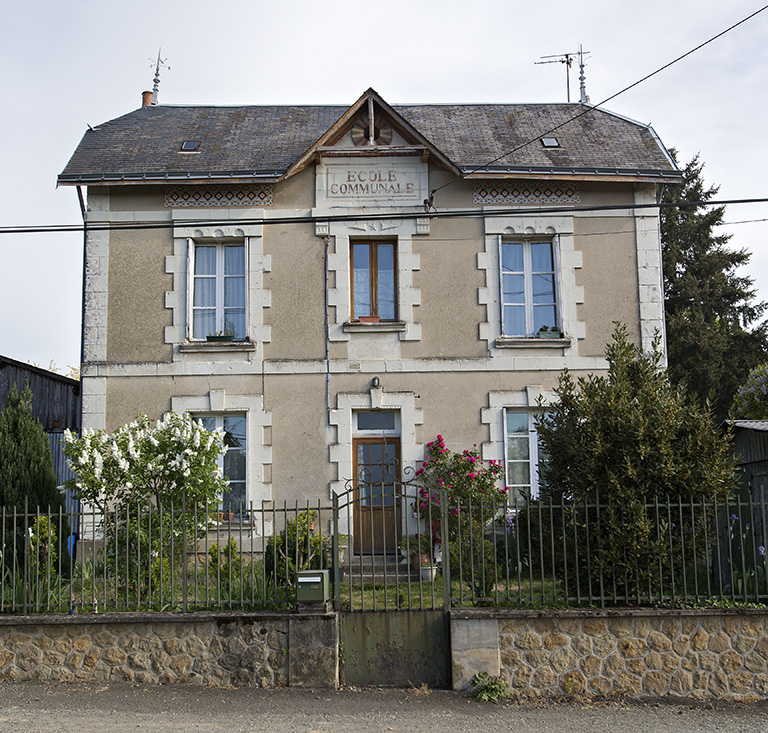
145, 462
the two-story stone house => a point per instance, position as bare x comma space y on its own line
384, 273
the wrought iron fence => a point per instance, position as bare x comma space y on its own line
159, 558
534, 554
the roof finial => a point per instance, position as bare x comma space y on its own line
158, 65
584, 99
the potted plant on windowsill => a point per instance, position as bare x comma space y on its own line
548, 332
219, 336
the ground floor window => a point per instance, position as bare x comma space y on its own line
523, 453
235, 461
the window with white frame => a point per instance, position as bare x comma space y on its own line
235, 460
523, 453
529, 303
219, 290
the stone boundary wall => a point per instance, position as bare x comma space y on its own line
219, 650
700, 654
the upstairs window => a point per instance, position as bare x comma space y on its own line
528, 289
374, 280
219, 291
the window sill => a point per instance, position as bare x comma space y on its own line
380, 327
192, 347
523, 342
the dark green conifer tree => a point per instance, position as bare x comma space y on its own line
714, 333
26, 466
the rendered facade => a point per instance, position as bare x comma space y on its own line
385, 273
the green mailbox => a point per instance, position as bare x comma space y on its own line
313, 586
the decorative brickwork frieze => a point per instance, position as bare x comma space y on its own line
510, 193
178, 196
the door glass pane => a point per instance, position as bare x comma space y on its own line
381, 495
377, 472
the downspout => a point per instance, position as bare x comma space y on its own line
82, 299
326, 338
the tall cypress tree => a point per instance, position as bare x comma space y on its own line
714, 333
26, 465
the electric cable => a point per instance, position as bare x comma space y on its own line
591, 108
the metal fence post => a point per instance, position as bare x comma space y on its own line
335, 553
445, 546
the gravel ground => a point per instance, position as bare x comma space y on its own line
88, 708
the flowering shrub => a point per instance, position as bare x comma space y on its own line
751, 401
464, 476
473, 492
142, 461
172, 465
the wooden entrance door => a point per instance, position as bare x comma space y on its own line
376, 502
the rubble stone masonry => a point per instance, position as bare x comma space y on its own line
221, 650
643, 653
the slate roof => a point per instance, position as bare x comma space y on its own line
263, 141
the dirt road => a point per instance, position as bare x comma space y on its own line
47, 708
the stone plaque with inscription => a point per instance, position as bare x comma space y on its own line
371, 182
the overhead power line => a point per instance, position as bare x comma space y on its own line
591, 107
455, 214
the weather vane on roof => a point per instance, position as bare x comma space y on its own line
160, 63
567, 59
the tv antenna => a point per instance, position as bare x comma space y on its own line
159, 64
567, 59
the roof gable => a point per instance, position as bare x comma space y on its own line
355, 121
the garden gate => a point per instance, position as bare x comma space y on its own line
392, 599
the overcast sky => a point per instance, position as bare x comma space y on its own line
69, 64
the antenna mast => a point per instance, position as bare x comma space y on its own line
567, 59
582, 78
158, 65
